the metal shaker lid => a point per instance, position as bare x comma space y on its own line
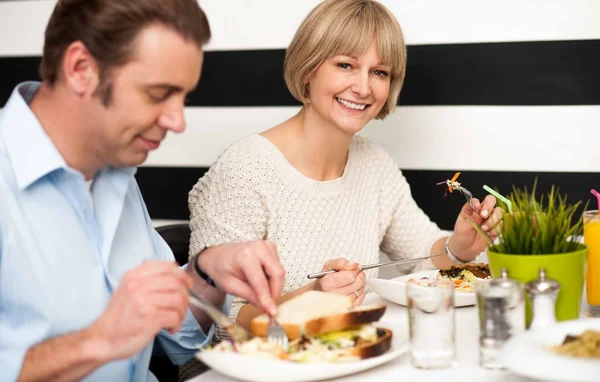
503, 281
543, 284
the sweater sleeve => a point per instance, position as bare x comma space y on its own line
409, 232
227, 206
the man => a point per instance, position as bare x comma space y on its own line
85, 282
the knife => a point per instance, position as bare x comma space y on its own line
371, 266
235, 331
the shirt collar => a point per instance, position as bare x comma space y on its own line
31, 152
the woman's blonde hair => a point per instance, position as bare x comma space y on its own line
345, 27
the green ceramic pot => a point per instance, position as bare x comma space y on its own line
566, 268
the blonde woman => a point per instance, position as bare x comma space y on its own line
328, 198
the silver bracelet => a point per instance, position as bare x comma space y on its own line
454, 259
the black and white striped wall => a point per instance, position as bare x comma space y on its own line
502, 91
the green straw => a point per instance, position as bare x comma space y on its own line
498, 196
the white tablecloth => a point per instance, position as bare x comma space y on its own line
467, 368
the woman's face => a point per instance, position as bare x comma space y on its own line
348, 92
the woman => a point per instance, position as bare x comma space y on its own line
328, 198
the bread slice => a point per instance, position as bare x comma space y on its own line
361, 350
374, 349
313, 313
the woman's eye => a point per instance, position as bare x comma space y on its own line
344, 65
380, 73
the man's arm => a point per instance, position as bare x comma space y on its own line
227, 265
66, 358
149, 298
214, 295
202, 288
250, 270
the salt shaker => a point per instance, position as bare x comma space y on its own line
542, 294
501, 308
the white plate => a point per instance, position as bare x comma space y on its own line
542, 363
248, 368
394, 290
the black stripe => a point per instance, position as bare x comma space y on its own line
514, 73
165, 189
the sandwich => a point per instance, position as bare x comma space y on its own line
321, 327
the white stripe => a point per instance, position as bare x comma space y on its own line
162, 222
22, 26
270, 24
211, 130
458, 138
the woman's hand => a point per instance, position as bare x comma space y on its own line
466, 243
350, 280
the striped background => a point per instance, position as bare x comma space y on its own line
503, 92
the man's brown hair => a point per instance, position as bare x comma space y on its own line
108, 29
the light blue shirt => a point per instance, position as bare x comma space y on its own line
61, 259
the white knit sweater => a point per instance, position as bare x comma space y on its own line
252, 192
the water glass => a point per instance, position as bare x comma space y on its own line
501, 308
431, 323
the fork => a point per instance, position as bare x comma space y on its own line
276, 334
469, 196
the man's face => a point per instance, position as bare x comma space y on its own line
147, 97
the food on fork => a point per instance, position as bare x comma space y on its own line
452, 184
585, 345
321, 327
463, 276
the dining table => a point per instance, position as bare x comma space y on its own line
466, 367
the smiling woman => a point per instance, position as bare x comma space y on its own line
347, 31
348, 91
326, 196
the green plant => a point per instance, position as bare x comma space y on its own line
549, 225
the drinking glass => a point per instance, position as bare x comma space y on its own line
431, 323
501, 308
591, 238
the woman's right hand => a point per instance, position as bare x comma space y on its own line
349, 280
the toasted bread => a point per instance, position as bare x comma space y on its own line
374, 349
314, 313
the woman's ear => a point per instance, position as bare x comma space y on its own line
306, 92
80, 70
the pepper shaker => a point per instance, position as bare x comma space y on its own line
542, 294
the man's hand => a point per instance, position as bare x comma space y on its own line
250, 270
151, 297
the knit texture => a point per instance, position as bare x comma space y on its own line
252, 192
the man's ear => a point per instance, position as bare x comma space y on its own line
80, 70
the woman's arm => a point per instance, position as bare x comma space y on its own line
411, 233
